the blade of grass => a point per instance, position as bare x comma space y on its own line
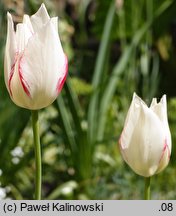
65, 121
120, 67
83, 155
74, 106
97, 77
83, 158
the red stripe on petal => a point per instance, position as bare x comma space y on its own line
165, 148
10, 78
121, 147
12, 72
24, 83
120, 142
61, 80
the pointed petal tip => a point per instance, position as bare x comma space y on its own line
10, 21
40, 17
163, 97
154, 102
43, 7
9, 16
134, 94
136, 97
138, 101
25, 17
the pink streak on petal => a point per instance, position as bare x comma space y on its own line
12, 72
165, 148
61, 80
121, 146
24, 83
120, 142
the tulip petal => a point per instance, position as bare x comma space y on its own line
131, 121
143, 139
23, 35
63, 77
43, 67
160, 109
40, 18
27, 21
165, 157
10, 51
54, 20
19, 89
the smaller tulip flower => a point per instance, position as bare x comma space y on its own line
35, 66
145, 142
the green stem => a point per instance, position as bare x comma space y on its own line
147, 188
37, 147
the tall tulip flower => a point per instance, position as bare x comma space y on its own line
35, 69
145, 142
35, 64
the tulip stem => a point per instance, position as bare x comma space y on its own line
147, 188
37, 147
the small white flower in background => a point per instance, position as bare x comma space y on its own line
145, 142
35, 65
2, 193
17, 152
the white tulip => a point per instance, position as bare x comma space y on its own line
145, 142
35, 65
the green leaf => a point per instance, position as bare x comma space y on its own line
97, 78
120, 68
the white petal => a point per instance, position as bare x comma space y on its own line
54, 20
160, 109
44, 65
23, 35
18, 95
40, 18
143, 148
164, 158
27, 21
10, 50
154, 102
131, 120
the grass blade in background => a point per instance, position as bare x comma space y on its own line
97, 75
83, 153
66, 124
120, 67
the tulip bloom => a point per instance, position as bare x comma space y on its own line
35, 66
145, 142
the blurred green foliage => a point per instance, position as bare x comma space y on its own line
114, 48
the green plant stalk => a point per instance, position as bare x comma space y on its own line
147, 188
37, 147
